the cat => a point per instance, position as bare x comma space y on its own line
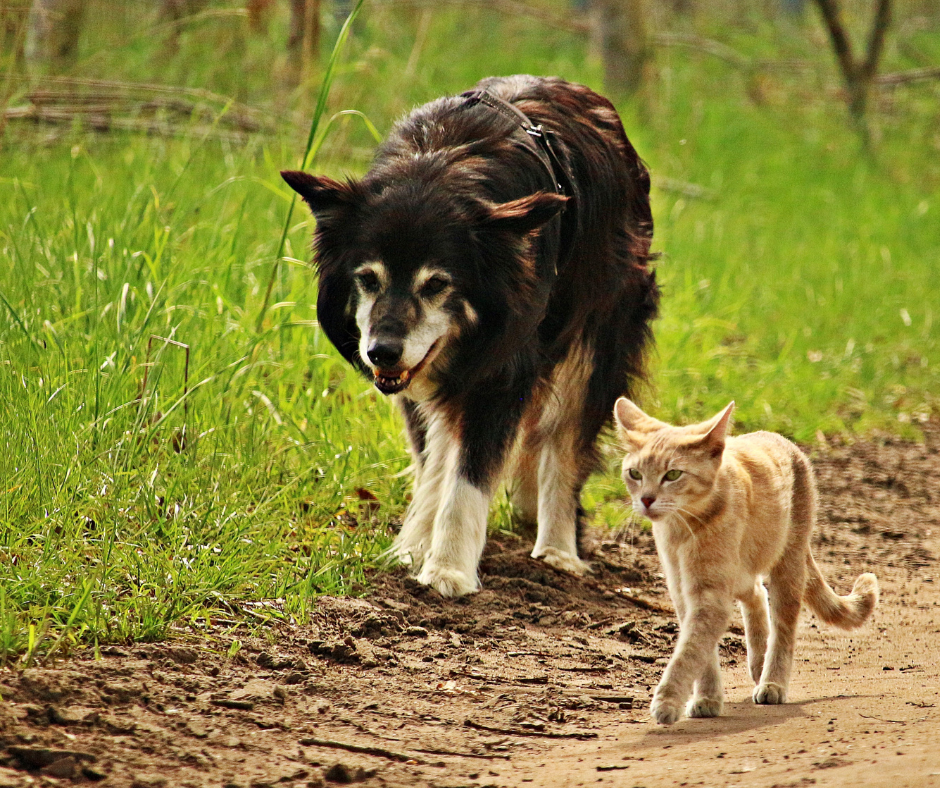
727, 512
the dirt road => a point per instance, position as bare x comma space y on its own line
541, 679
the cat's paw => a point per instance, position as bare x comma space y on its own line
665, 711
564, 561
770, 694
448, 582
704, 707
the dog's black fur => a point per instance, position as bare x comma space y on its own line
457, 186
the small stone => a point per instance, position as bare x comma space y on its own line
416, 632
64, 768
93, 774
265, 660
38, 757
150, 781
182, 655
197, 729
341, 773
72, 715
294, 677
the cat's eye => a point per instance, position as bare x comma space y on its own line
634, 474
368, 281
672, 475
435, 285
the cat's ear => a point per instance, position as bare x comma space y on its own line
717, 426
633, 425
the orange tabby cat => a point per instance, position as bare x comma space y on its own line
728, 512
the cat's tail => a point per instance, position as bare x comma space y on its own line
845, 612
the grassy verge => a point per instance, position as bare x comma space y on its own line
139, 492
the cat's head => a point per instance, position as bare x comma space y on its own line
669, 470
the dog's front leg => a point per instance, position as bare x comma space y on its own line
474, 458
458, 536
431, 444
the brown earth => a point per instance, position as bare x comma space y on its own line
541, 679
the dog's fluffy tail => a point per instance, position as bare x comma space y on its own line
845, 612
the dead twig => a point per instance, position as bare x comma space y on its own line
381, 752
540, 679
487, 756
580, 735
905, 77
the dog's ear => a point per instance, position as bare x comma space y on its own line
526, 214
322, 194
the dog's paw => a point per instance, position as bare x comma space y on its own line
448, 582
665, 711
704, 707
770, 694
408, 554
564, 561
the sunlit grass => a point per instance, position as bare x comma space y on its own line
137, 494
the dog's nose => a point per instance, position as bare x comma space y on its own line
385, 353
648, 501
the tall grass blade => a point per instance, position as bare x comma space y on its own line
305, 160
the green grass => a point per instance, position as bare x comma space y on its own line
803, 286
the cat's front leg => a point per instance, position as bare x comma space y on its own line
705, 621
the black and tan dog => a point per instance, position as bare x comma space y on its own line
491, 273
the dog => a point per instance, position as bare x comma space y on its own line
491, 273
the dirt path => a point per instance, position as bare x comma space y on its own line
541, 679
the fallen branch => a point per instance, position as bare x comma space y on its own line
904, 77
100, 121
581, 735
392, 755
487, 756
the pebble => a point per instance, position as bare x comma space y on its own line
64, 768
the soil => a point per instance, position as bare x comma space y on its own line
540, 679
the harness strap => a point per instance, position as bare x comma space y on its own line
544, 151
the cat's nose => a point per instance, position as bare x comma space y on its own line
648, 502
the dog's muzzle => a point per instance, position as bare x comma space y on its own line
394, 381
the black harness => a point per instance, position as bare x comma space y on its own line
540, 146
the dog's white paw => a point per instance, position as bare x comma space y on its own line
410, 554
448, 582
564, 561
665, 711
770, 694
704, 707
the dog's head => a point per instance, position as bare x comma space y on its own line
409, 268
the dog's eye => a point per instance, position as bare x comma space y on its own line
634, 474
672, 475
368, 281
434, 286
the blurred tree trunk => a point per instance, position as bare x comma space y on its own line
52, 34
858, 74
305, 31
625, 49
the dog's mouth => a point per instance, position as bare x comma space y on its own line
394, 382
